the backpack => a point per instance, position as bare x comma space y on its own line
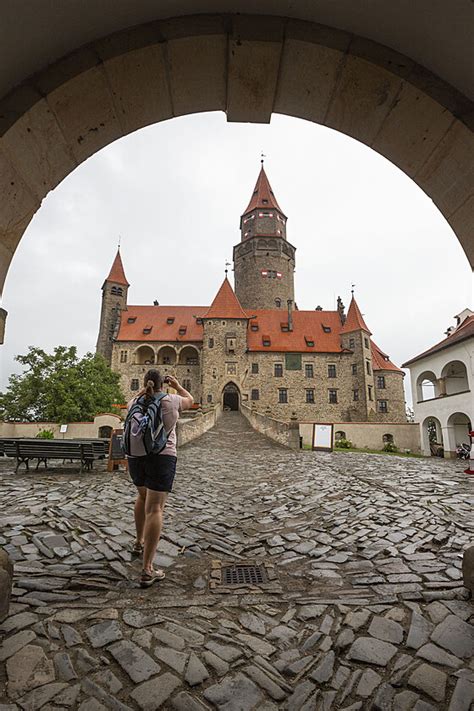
143, 431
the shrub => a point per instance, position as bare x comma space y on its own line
343, 444
45, 434
390, 447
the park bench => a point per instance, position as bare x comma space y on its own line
24, 449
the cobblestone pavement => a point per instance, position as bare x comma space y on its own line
363, 607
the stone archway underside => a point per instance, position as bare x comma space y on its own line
249, 67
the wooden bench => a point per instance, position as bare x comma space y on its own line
23, 449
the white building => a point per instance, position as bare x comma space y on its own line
442, 381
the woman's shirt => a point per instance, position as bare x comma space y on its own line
171, 406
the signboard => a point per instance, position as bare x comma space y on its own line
116, 455
63, 429
322, 437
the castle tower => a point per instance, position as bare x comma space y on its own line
114, 301
355, 337
264, 261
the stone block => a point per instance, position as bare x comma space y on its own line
412, 129
468, 569
17, 201
37, 149
85, 112
362, 99
307, 76
254, 59
6, 576
139, 87
197, 68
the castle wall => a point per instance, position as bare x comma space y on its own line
272, 254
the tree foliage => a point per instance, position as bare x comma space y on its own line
60, 387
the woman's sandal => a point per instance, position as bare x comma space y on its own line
147, 579
137, 549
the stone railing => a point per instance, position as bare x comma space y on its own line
285, 433
192, 428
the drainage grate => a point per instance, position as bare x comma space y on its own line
243, 575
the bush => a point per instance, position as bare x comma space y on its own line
343, 444
45, 434
390, 447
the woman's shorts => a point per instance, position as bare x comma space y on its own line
155, 471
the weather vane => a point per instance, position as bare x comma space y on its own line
227, 264
119, 240
262, 157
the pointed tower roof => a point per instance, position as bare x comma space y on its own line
225, 304
117, 273
263, 195
355, 320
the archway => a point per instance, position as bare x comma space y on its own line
458, 428
427, 387
188, 356
231, 397
166, 356
432, 437
144, 355
249, 67
455, 377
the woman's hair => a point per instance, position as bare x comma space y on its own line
153, 382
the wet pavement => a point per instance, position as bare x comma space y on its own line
361, 604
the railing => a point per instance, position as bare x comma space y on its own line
193, 427
285, 433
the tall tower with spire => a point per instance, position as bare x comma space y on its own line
264, 261
114, 301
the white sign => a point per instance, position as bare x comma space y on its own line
63, 429
322, 437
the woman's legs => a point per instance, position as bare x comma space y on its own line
154, 505
139, 513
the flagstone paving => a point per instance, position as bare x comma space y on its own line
366, 609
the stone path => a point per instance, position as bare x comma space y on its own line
366, 609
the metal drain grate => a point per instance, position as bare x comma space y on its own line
243, 575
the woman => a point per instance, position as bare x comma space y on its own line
153, 474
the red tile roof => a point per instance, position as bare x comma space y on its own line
225, 304
462, 333
156, 317
117, 273
307, 326
381, 361
355, 320
263, 195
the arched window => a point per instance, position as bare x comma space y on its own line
387, 438
340, 435
278, 303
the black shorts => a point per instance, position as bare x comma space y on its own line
155, 471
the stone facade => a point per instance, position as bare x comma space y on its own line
114, 301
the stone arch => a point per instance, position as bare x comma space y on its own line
231, 396
458, 428
188, 355
427, 386
144, 355
432, 437
248, 67
167, 356
454, 375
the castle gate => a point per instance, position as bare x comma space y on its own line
231, 397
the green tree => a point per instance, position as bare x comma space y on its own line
60, 387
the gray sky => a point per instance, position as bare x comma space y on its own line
175, 192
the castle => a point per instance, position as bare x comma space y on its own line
253, 344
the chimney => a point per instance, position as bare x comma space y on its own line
290, 314
340, 310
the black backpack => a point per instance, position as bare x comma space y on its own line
143, 431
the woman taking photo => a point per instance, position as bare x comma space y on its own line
153, 474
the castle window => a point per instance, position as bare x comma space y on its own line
332, 395
369, 389
387, 438
278, 370
147, 330
266, 341
284, 327
282, 395
209, 398
309, 341
254, 368
199, 321
310, 395
192, 360
210, 343
247, 219
308, 370
366, 342
265, 214
331, 371
255, 394
278, 303
327, 329
254, 326
381, 382
230, 345
131, 319
187, 385
355, 395
182, 330
382, 406
134, 385
351, 343
119, 291
170, 320
354, 368
367, 365
123, 356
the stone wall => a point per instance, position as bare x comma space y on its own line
6, 577
370, 434
112, 306
75, 430
285, 433
192, 428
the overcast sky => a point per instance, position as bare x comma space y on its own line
175, 192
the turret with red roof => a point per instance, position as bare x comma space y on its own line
114, 301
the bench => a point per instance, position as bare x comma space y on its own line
24, 449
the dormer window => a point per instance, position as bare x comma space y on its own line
309, 341
170, 320
199, 321
266, 341
182, 330
147, 330
326, 329
284, 327
254, 326
131, 319
265, 201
